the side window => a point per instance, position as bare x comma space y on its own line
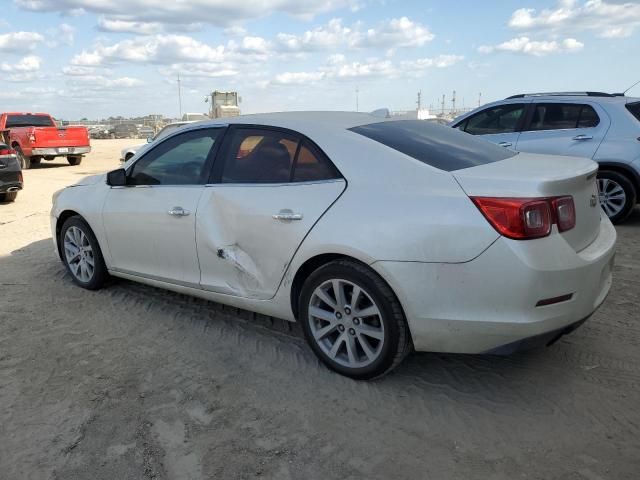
312, 165
180, 160
500, 119
259, 156
562, 116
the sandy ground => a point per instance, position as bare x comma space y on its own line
132, 382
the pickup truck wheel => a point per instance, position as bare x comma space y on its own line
74, 160
8, 196
25, 162
36, 160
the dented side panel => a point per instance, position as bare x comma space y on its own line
243, 250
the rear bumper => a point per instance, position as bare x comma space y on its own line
490, 302
57, 151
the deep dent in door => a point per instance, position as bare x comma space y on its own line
249, 278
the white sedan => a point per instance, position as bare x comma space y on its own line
379, 236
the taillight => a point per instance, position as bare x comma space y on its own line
32, 137
7, 151
527, 218
565, 212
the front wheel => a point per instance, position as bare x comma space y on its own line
74, 160
617, 195
353, 321
82, 255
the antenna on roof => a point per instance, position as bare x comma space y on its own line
631, 87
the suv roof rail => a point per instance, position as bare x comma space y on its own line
563, 94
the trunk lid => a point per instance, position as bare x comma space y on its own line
531, 175
61, 137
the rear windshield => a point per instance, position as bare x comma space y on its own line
29, 121
634, 108
441, 147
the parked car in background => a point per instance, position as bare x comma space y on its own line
601, 126
35, 137
10, 174
129, 152
145, 132
124, 130
377, 235
100, 132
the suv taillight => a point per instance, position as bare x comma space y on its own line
7, 151
527, 218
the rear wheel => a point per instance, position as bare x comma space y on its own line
8, 196
25, 162
353, 321
617, 195
82, 255
74, 160
36, 160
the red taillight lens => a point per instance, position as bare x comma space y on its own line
517, 218
527, 218
7, 151
565, 212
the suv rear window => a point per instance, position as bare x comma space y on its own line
441, 147
14, 121
634, 108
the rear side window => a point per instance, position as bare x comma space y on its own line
14, 121
634, 108
562, 116
500, 119
272, 156
438, 146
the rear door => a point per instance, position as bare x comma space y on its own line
269, 188
499, 124
561, 128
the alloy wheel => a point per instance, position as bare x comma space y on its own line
612, 196
79, 254
346, 323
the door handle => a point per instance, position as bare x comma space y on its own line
178, 212
583, 137
287, 215
505, 144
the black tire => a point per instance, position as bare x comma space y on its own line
100, 274
36, 160
74, 160
629, 190
25, 162
397, 341
8, 196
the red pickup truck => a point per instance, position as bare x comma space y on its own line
36, 137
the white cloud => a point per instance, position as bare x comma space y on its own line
526, 46
606, 18
394, 33
30, 63
19, 42
180, 13
298, 78
129, 26
64, 34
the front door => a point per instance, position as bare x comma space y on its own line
271, 186
557, 128
498, 124
150, 223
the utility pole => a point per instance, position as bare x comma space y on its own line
179, 97
419, 102
453, 103
443, 104
479, 98
357, 100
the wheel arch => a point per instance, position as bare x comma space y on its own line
625, 170
317, 261
63, 217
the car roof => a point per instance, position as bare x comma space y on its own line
300, 120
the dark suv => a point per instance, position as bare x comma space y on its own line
10, 174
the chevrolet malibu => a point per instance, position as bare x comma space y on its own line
378, 236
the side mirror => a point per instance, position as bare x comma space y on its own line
149, 139
117, 178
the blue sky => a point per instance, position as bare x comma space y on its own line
91, 58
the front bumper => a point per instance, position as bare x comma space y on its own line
60, 151
490, 302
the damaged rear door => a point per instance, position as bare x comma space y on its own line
270, 186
